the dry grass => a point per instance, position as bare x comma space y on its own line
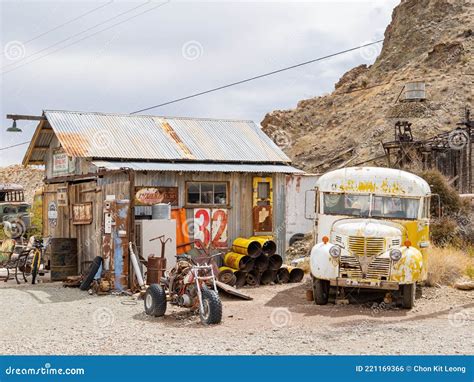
448, 264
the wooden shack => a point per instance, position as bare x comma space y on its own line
223, 179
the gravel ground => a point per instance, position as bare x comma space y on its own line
49, 319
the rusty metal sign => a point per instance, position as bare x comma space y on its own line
82, 213
147, 196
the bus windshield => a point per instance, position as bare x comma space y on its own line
361, 205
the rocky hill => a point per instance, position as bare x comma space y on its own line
427, 40
30, 178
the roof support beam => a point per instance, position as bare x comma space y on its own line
17, 117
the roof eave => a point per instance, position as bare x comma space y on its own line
26, 159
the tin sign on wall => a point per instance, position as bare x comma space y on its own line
148, 196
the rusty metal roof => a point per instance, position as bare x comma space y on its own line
199, 167
144, 137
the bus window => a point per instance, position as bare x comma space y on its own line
395, 207
346, 204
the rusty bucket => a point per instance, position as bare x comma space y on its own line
155, 270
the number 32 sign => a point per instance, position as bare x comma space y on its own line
210, 226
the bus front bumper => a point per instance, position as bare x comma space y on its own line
369, 284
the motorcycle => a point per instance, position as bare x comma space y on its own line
190, 284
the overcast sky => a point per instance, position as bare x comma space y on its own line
162, 51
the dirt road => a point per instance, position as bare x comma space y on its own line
50, 319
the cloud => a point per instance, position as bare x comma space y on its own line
140, 62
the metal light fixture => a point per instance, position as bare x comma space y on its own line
14, 128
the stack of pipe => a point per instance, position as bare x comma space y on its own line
253, 261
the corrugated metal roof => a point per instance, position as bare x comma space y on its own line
124, 136
198, 167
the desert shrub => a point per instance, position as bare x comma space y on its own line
446, 265
445, 232
455, 226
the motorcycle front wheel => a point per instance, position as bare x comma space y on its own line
211, 312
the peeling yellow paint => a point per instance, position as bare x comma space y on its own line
372, 187
409, 268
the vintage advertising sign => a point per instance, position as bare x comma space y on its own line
147, 196
82, 213
62, 164
210, 227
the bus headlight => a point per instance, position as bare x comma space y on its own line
395, 254
335, 251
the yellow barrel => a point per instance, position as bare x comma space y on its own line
267, 277
282, 276
240, 276
238, 261
227, 276
296, 274
247, 247
274, 262
252, 278
268, 245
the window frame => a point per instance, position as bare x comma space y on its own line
203, 205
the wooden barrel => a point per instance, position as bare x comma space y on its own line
63, 255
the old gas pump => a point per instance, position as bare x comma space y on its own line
115, 242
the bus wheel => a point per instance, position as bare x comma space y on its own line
408, 295
320, 291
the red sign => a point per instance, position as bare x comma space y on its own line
147, 196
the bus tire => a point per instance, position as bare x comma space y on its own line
320, 291
408, 295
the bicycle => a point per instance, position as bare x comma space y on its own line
36, 256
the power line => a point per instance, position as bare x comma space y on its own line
241, 81
18, 144
256, 77
77, 34
65, 23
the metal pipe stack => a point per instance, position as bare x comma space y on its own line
253, 261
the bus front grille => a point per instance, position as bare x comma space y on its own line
378, 269
366, 246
